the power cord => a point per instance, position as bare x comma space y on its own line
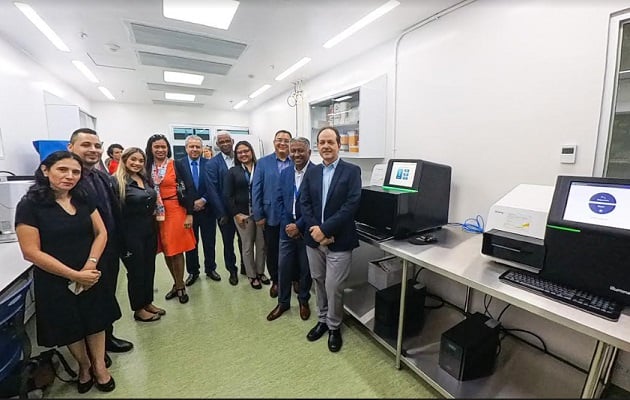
472, 225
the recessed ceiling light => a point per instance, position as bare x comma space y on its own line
179, 96
368, 19
182, 77
259, 91
106, 92
42, 26
240, 104
343, 98
293, 68
85, 71
213, 13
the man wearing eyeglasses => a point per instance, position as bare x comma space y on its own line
265, 208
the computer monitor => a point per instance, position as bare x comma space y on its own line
587, 239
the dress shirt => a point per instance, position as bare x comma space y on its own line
329, 171
229, 160
282, 164
192, 172
299, 175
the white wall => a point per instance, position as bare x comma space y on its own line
132, 124
22, 110
492, 89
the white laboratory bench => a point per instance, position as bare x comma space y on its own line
12, 267
522, 371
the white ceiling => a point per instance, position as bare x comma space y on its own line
277, 33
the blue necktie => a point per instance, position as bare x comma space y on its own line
195, 173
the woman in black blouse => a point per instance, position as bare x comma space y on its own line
63, 235
237, 188
139, 231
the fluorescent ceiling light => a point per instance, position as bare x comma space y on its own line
85, 71
182, 77
343, 98
215, 13
179, 96
293, 68
371, 17
240, 104
259, 91
42, 26
106, 92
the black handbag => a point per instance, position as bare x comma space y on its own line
181, 192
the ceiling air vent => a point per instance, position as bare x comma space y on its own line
187, 64
177, 103
170, 39
180, 89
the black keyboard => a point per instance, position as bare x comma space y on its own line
597, 305
371, 233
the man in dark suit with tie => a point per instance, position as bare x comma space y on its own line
85, 143
214, 174
329, 200
190, 170
292, 255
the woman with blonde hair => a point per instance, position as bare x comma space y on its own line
139, 233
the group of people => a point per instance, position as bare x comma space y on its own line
76, 222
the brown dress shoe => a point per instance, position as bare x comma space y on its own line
305, 311
276, 312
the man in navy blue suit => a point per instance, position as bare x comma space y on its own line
204, 219
264, 206
292, 257
329, 199
215, 172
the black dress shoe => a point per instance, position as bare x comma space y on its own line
191, 279
233, 279
108, 386
115, 345
334, 340
171, 294
273, 291
108, 361
317, 332
182, 296
277, 312
214, 276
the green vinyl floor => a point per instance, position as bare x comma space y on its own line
221, 345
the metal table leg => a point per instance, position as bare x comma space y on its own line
597, 367
401, 313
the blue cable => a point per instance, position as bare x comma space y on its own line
472, 225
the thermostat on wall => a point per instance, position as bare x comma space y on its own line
567, 154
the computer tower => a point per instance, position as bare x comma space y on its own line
387, 308
468, 350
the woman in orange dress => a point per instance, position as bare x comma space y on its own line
174, 220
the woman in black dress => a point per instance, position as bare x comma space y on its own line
139, 231
63, 235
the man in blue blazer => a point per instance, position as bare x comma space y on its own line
191, 168
264, 206
329, 200
216, 169
292, 257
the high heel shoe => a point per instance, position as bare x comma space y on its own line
107, 386
171, 294
84, 387
182, 296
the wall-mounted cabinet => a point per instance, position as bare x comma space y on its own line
360, 116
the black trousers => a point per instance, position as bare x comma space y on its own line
139, 258
272, 242
109, 265
206, 222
